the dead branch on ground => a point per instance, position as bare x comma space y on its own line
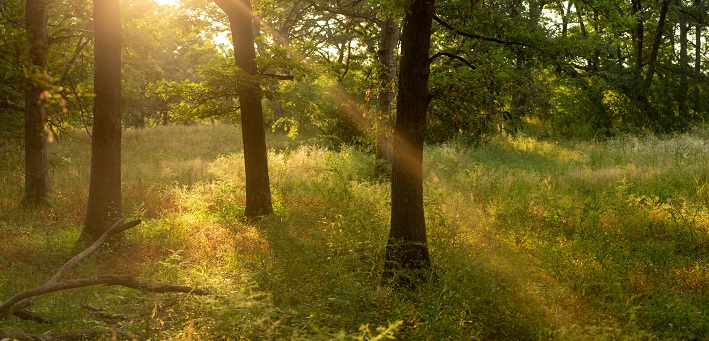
15, 305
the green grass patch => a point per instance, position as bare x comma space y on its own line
530, 238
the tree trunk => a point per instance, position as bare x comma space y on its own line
638, 36
407, 247
656, 45
683, 59
389, 38
520, 93
104, 203
258, 192
36, 165
697, 59
642, 100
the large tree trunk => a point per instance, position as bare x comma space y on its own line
407, 247
389, 38
36, 165
258, 192
105, 206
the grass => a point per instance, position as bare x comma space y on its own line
531, 239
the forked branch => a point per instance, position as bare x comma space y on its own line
15, 304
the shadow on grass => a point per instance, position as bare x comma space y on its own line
324, 260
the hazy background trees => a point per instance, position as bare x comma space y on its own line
582, 69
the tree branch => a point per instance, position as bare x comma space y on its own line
14, 303
80, 334
474, 36
453, 56
77, 51
126, 281
341, 10
11, 105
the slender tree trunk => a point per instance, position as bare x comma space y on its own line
258, 192
36, 165
104, 203
564, 16
641, 95
520, 93
683, 60
638, 36
579, 15
407, 248
656, 45
389, 38
697, 59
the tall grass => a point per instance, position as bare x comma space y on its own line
530, 238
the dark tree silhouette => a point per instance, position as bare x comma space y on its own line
36, 165
258, 192
407, 248
104, 204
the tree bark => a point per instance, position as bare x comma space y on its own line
104, 203
258, 192
407, 247
36, 164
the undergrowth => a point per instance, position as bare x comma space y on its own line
530, 239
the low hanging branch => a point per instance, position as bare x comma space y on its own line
453, 56
16, 304
474, 36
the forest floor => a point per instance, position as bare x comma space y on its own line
531, 238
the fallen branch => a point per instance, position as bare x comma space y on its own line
30, 316
15, 305
80, 334
125, 281
118, 227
